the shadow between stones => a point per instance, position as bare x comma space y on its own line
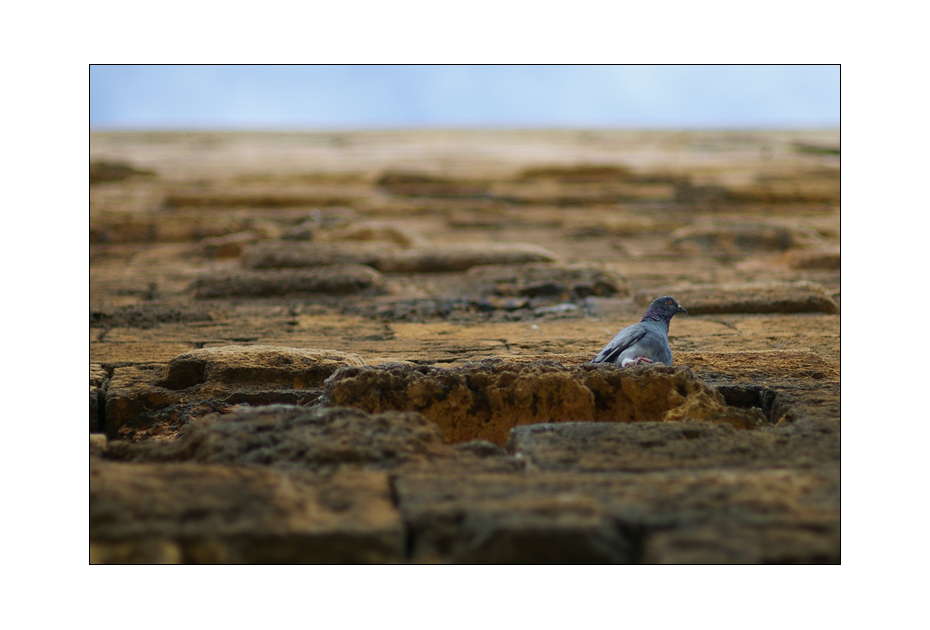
752, 397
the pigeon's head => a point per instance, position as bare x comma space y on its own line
664, 308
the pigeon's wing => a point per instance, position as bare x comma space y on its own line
624, 339
654, 346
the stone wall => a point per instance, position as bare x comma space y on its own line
376, 350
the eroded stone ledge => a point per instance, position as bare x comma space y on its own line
288, 436
333, 280
485, 400
436, 258
742, 238
561, 281
752, 297
157, 400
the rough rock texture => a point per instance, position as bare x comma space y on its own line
305, 231
334, 280
296, 437
580, 193
257, 366
114, 172
641, 446
828, 258
747, 544
419, 310
220, 514
461, 257
143, 401
818, 190
756, 210
740, 239
272, 198
424, 185
98, 444
98, 382
287, 254
485, 400
647, 517
761, 369
228, 246
152, 314
120, 227
395, 233
622, 225
577, 174
445, 258
289, 437
558, 281
757, 297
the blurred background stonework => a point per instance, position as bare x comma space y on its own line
371, 346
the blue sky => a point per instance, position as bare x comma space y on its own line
386, 97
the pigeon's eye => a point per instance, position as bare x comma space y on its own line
669, 302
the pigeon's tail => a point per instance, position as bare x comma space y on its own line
608, 354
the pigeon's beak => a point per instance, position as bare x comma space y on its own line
681, 309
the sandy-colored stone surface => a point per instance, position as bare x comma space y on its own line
247, 289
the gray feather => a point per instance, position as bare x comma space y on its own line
647, 339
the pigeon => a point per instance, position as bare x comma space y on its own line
645, 342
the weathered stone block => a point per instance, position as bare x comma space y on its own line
98, 375
577, 173
622, 225
98, 380
268, 198
485, 400
423, 185
98, 444
334, 280
263, 367
297, 437
320, 439
135, 404
420, 259
115, 172
644, 446
755, 297
508, 519
585, 518
290, 254
94, 409
136, 352
220, 514
556, 281
143, 401
446, 258
151, 314
826, 258
385, 231
818, 543
741, 239
750, 368
229, 245
147, 228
